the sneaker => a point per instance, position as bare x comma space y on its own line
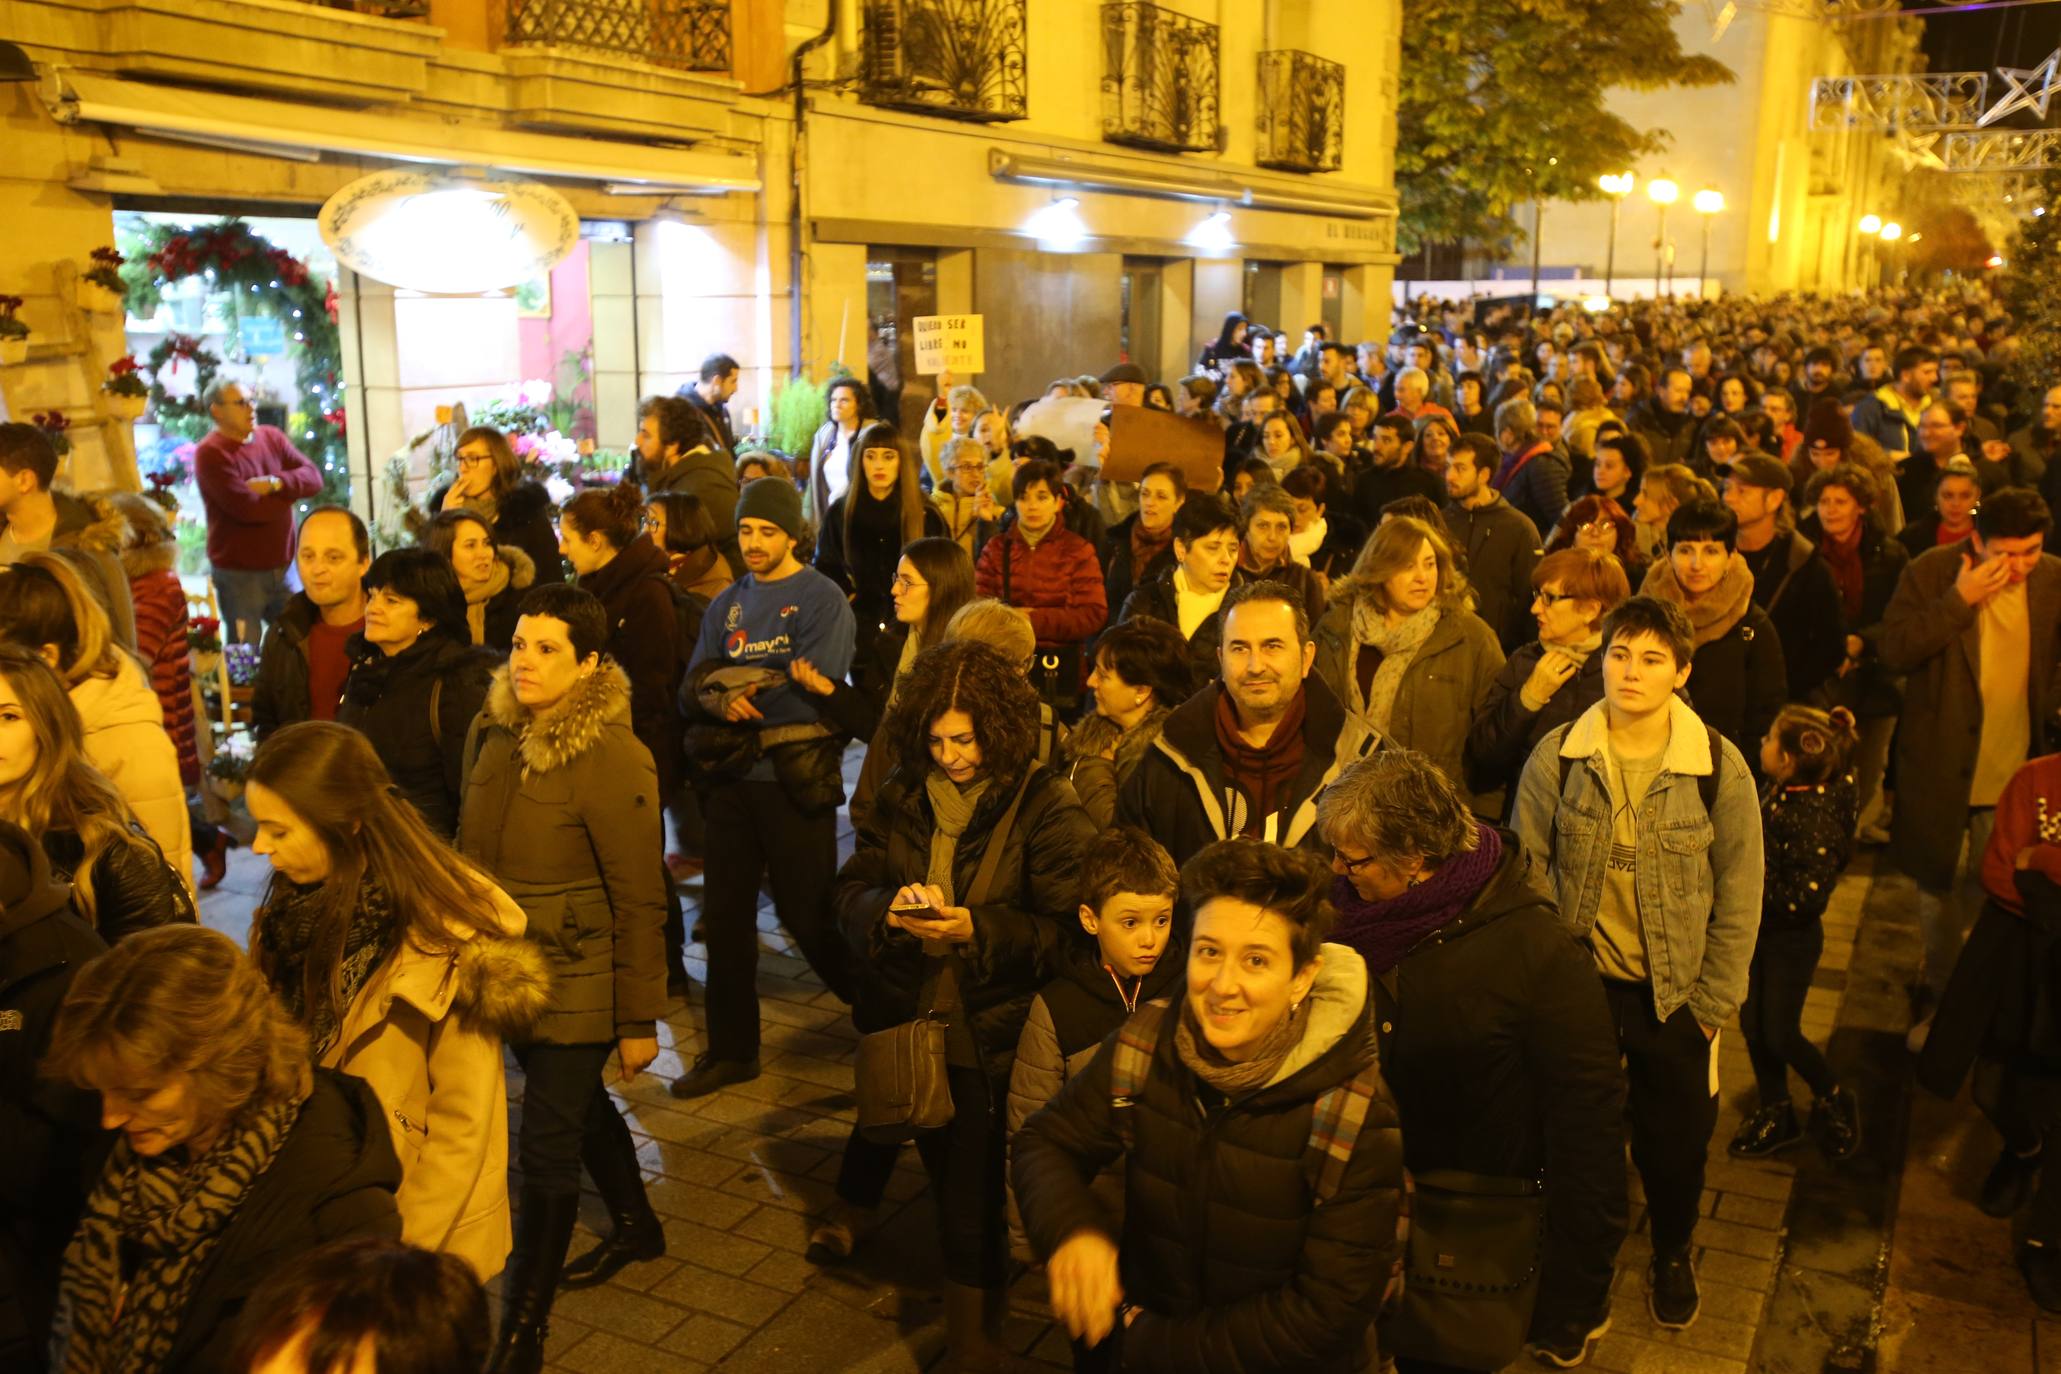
710, 1073
1836, 1122
835, 1237
1873, 836
1671, 1293
2010, 1183
1772, 1128
1568, 1349
2042, 1269
1919, 1033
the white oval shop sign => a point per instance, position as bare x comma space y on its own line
451, 235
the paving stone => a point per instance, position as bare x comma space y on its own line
733, 1252
704, 1290
618, 1310
1750, 1211
604, 1352
1736, 1239
674, 1198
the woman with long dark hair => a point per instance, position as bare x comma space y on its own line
960, 888
416, 680
489, 482
1228, 346
119, 879
492, 576
406, 967
1599, 523
883, 508
848, 408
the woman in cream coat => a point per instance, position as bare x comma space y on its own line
406, 966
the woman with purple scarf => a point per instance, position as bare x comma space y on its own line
1497, 1044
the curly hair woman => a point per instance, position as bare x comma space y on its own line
960, 888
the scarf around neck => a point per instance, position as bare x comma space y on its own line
951, 807
1843, 557
1248, 1075
1146, 546
291, 929
1384, 932
159, 1218
1713, 614
476, 598
1303, 547
1397, 645
1258, 773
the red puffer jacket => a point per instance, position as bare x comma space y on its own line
161, 643
1058, 584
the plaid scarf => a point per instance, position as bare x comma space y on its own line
149, 1228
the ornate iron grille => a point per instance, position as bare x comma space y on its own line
1301, 112
1159, 78
693, 35
963, 59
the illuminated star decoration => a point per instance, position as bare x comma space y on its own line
2020, 96
1917, 150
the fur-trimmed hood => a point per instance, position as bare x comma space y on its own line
569, 729
522, 569
88, 521
148, 544
501, 986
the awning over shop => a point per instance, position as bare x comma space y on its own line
90, 97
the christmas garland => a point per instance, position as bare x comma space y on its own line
182, 413
260, 279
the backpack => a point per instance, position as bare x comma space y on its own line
1334, 1124
1706, 785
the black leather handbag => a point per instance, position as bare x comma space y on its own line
1470, 1269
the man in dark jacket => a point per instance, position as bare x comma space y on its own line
1499, 542
1663, 419
304, 662
1188, 594
1790, 582
1532, 478
711, 396
1972, 626
1391, 475
678, 449
1248, 754
52, 1129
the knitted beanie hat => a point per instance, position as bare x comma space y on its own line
1828, 426
772, 499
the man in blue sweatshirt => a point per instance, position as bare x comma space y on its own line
771, 645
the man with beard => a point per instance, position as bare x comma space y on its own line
1248, 754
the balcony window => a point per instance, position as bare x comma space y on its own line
692, 35
963, 59
1159, 78
1301, 112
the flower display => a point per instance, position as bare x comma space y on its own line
56, 425
11, 325
125, 378
204, 634
106, 271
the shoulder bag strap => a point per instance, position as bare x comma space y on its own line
1335, 1130
1130, 1062
436, 712
998, 840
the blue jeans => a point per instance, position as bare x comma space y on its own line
249, 599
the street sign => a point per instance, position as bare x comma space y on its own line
948, 343
262, 336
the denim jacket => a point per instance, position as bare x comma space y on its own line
1699, 874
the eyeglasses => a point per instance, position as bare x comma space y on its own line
1351, 865
466, 460
1603, 526
1551, 598
905, 584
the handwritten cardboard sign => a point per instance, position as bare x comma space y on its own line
948, 343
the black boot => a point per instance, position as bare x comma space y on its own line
543, 1230
637, 1235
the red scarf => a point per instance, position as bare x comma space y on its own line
1265, 772
1843, 557
1146, 546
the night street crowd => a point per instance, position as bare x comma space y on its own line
1286, 880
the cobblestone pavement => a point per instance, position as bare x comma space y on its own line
736, 1176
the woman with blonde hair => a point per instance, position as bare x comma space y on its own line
1400, 646
1665, 488
405, 965
45, 609
119, 879
234, 1157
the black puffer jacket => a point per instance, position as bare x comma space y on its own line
644, 640
134, 887
1503, 1061
1505, 730
1017, 930
279, 693
334, 1177
522, 519
1119, 576
1158, 600
415, 708
52, 1130
1235, 1270
1869, 690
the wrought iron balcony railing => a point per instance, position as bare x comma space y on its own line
963, 59
693, 35
1159, 78
1301, 112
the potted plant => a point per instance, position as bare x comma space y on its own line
101, 288
204, 644
14, 334
125, 389
56, 425
230, 766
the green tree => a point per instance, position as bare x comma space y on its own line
2031, 291
1493, 91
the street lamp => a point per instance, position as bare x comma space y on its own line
1708, 204
1617, 186
1871, 224
1662, 193
1891, 232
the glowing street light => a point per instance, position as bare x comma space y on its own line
1616, 185
1663, 193
1708, 204
1871, 224
1892, 231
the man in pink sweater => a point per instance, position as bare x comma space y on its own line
249, 475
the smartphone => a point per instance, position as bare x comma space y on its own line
919, 909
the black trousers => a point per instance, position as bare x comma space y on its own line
1771, 1019
753, 829
2024, 1104
966, 1159
565, 1107
863, 1173
1671, 1108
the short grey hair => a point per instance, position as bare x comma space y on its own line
212, 397
1518, 416
1397, 806
948, 452
1268, 497
1413, 374
964, 397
